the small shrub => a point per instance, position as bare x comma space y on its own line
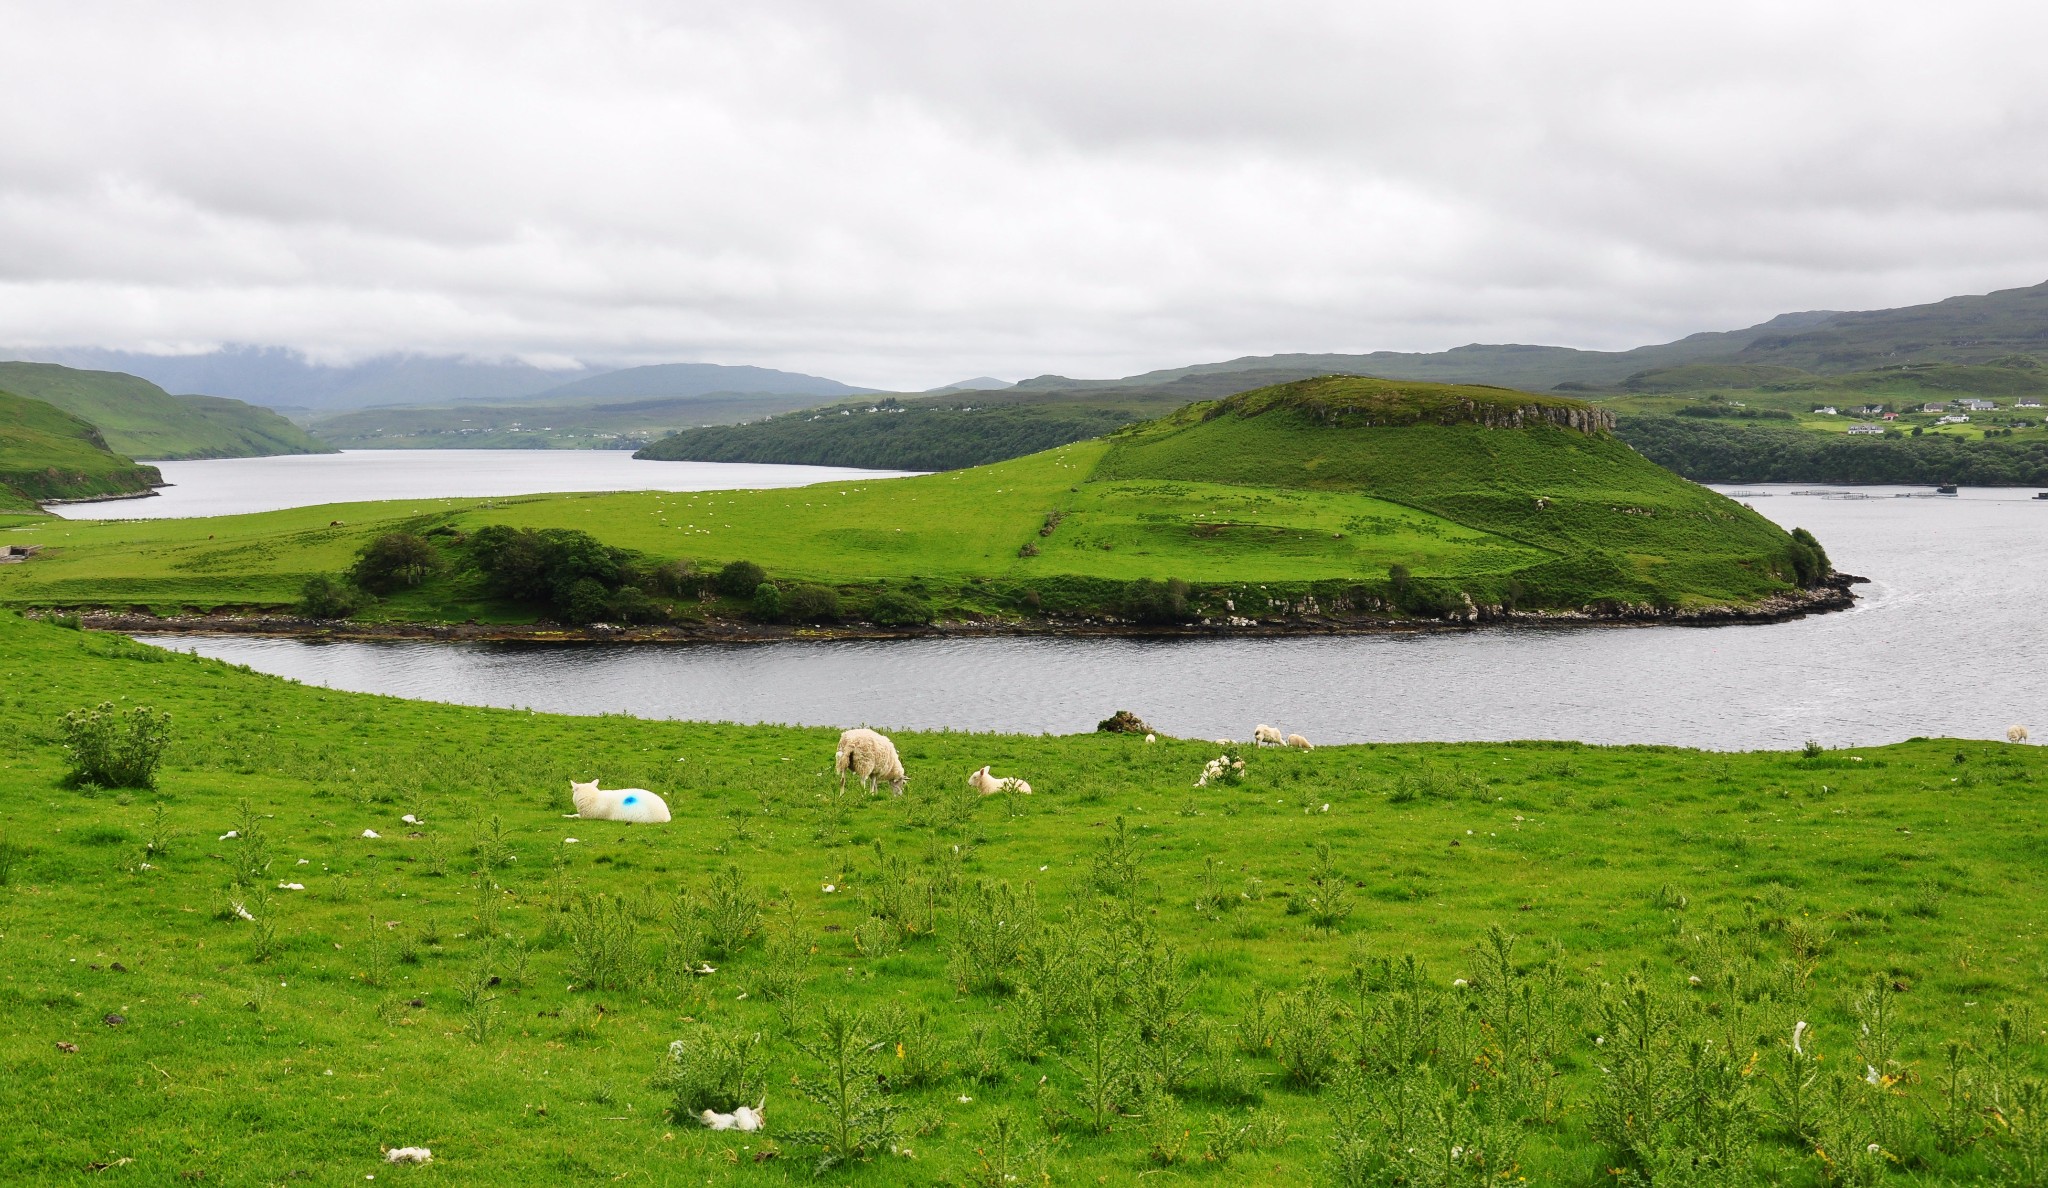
739, 579
767, 605
713, 1069
1148, 601
395, 561
604, 945
896, 608
114, 749
809, 603
673, 579
322, 597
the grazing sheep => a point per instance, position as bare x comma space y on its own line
2015, 733
1151, 738
988, 785
409, 1155
871, 758
636, 805
743, 1118
1264, 735
1299, 743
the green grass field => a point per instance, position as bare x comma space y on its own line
46, 453
142, 420
480, 985
1228, 497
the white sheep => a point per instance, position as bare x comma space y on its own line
871, 758
2016, 733
409, 1155
1299, 743
636, 805
988, 785
742, 1118
1264, 735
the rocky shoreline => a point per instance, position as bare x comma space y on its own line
1835, 595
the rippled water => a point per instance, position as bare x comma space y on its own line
231, 486
1946, 640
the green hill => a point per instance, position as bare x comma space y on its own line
627, 424
46, 453
142, 420
1347, 495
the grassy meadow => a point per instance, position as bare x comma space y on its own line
1120, 976
1258, 491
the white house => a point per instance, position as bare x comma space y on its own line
1826, 410
1954, 419
1976, 405
1934, 406
2026, 402
1867, 430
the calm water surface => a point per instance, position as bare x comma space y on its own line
1946, 640
231, 486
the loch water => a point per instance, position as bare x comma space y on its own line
1946, 639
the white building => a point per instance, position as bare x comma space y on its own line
1867, 430
1976, 405
1954, 419
1826, 410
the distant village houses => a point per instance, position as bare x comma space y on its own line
1867, 430
1976, 405
1954, 419
1934, 406
1826, 410
2027, 402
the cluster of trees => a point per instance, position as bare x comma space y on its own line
573, 577
1708, 451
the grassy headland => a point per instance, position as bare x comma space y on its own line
225, 980
46, 453
142, 420
1324, 497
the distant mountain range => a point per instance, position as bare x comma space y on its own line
283, 379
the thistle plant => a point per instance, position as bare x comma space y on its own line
710, 1068
859, 1120
732, 912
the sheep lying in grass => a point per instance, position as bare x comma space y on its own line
2015, 733
1299, 743
871, 758
636, 805
1264, 735
744, 1118
988, 785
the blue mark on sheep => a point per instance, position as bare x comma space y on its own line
632, 800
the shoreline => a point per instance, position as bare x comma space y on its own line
1835, 595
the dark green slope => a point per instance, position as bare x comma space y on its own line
1540, 470
46, 453
142, 420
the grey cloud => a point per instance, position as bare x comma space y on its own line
897, 194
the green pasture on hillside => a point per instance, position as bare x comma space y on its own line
1236, 496
142, 420
1216, 961
46, 453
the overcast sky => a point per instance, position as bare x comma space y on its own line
903, 194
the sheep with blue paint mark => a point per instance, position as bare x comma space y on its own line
635, 805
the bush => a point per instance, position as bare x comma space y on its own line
322, 597
1809, 560
710, 1069
587, 602
674, 579
767, 602
632, 605
1148, 601
811, 604
115, 749
896, 608
395, 561
572, 573
739, 579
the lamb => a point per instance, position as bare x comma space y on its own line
1299, 743
872, 758
1264, 735
636, 805
743, 1118
2015, 733
988, 785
